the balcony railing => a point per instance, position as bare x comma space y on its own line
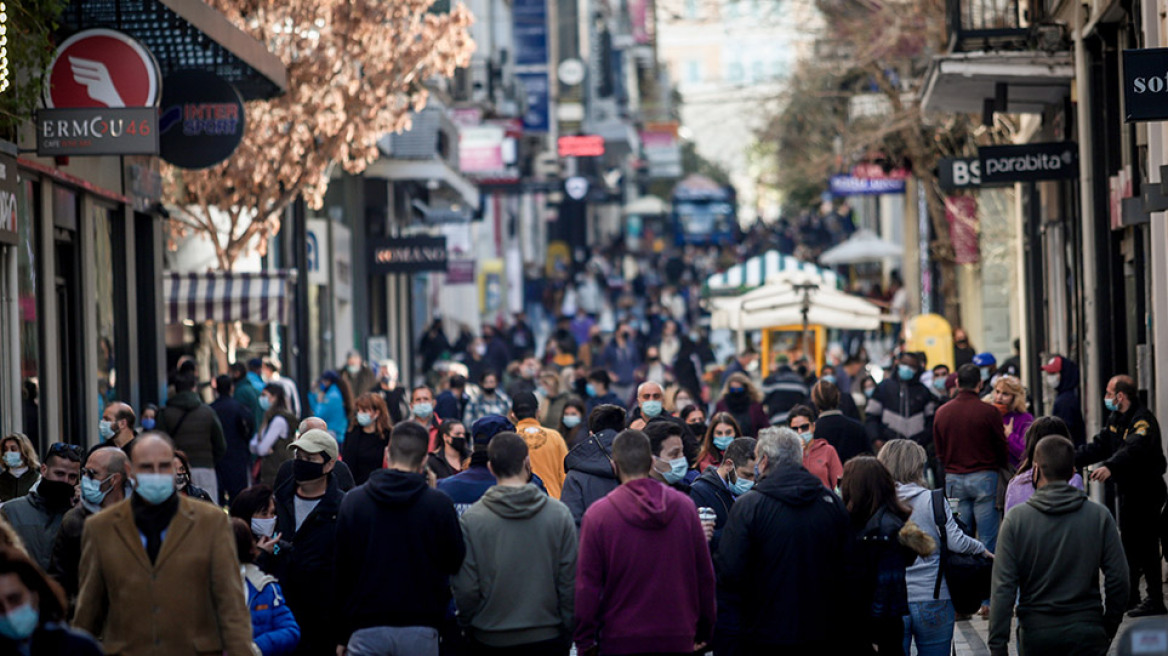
986, 25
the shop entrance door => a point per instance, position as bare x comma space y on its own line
71, 379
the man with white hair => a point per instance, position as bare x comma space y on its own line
650, 400
788, 603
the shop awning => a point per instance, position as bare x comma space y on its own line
862, 246
254, 297
187, 34
782, 303
761, 269
961, 82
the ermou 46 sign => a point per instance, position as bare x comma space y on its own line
407, 255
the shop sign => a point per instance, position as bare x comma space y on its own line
91, 132
1029, 162
407, 255
202, 119
8, 226
850, 185
959, 173
1145, 84
536, 90
102, 68
460, 272
318, 250
581, 146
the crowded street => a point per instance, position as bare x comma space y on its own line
583, 328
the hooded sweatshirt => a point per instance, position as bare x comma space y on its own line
398, 542
547, 450
590, 474
1051, 550
644, 582
518, 540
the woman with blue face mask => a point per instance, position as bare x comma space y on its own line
19, 468
363, 449
275, 433
574, 422
32, 612
333, 402
723, 430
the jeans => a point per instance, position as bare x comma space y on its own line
394, 641
975, 503
930, 624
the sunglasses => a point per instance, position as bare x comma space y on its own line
61, 449
801, 429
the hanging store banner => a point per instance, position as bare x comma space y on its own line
407, 255
1033, 162
202, 119
848, 185
1145, 84
530, 33
536, 90
8, 225
961, 213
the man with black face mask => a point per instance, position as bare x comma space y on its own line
306, 515
37, 516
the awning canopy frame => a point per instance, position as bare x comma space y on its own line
227, 296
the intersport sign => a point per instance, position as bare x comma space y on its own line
1029, 162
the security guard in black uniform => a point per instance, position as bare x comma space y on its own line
1129, 448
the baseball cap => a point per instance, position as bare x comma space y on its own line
984, 359
316, 441
1054, 365
524, 403
487, 427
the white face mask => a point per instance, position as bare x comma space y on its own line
263, 528
1053, 380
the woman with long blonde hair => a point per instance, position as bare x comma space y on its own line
19, 468
1009, 397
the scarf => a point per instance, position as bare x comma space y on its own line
153, 520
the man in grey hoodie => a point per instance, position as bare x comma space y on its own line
518, 540
1050, 552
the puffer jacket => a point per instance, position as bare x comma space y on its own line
273, 627
901, 410
590, 475
332, 410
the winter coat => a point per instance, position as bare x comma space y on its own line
608, 398
900, 409
364, 453
590, 475
398, 544
969, 436
1015, 424
1067, 405
332, 410
273, 627
53, 639
469, 485
781, 565
364, 381
66, 556
880, 554
845, 434
199, 435
1129, 445
547, 451
710, 491
36, 523
12, 487
644, 581
238, 428
823, 462
449, 405
921, 575
783, 390
250, 398
621, 361
512, 530
1050, 552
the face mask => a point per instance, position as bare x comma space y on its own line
682, 402
303, 470
263, 528
423, 410
55, 493
481, 350
353, 369
148, 423
869, 391
939, 384
106, 428
154, 488
265, 403
91, 490
904, 371
590, 390
20, 623
1053, 380
488, 390
13, 459
324, 386
677, 469
571, 421
1111, 404
807, 437
742, 485
364, 418
721, 442
985, 374
828, 379
651, 408
698, 428
458, 444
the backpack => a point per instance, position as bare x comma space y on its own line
969, 576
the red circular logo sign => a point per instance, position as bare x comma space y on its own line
102, 68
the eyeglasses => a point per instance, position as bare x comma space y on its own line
60, 449
801, 429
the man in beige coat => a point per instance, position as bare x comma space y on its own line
159, 572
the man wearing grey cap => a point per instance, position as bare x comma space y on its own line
306, 516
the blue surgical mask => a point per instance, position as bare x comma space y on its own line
20, 624
590, 390
13, 459
571, 421
106, 428
985, 373
741, 486
939, 384
364, 418
1111, 404
265, 403
722, 442
148, 423
677, 469
91, 490
154, 488
651, 408
423, 410
869, 392
905, 372
807, 436
828, 379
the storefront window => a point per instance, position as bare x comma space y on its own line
103, 250
27, 287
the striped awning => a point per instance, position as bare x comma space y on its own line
254, 297
760, 269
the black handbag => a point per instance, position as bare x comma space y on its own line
969, 576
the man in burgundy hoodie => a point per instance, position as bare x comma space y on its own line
644, 580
